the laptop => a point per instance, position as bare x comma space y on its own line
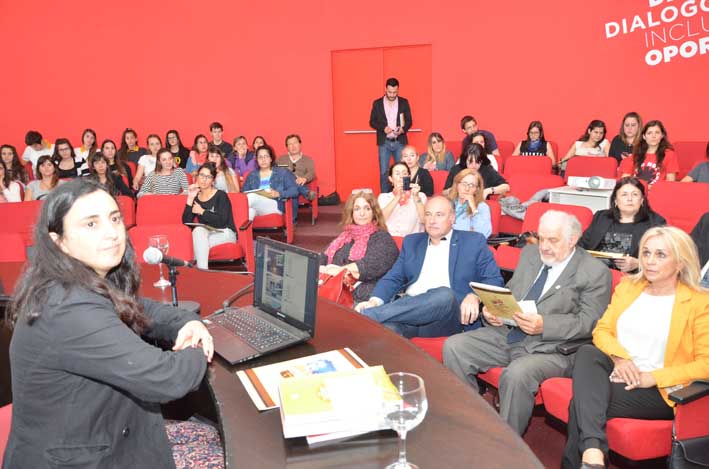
283, 310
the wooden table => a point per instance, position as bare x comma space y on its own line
460, 428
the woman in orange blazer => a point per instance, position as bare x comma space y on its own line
653, 339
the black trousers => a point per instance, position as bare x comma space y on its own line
596, 400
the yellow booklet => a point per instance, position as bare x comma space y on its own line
605, 255
343, 401
498, 301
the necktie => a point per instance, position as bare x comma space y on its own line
516, 334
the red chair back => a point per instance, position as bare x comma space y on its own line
439, 180
525, 186
527, 166
5, 421
244, 247
689, 154
455, 147
495, 215
179, 236
276, 221
399, 240
30, 170
587, 166
12, 248
20, 217
127, 207
681, 203
133, 167
555, 149
506, 148
160, 209
535, 212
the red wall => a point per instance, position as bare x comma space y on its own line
264, 67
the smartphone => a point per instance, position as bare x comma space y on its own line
407, 183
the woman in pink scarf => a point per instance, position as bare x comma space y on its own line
364, 247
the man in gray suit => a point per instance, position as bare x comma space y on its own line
571, 290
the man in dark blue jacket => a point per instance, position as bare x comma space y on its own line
434, 268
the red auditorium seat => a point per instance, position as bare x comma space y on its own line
635, 439
455, 147
313, 204
439, 180
127, 207
524, 187
554, 148
20, 217
5, 421
681, 203
527, 166
399, 240
179, 236
278, 222
587, 166
495, 215
12, 248
689, 154
160, 209
506, 148
244, 246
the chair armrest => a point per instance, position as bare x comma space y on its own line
572, 346
245, 225
690, 393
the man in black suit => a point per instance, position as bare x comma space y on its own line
391, 118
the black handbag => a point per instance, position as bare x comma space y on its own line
692, 453
330, 199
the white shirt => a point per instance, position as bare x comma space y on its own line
434, 271
32, 155
148, 163
12, 192
643, 330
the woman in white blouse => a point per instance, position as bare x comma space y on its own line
592, 143
146, 163
9, 190
226, 180
403, 206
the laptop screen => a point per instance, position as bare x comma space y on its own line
286, 283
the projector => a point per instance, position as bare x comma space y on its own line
593, 182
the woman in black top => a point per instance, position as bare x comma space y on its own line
212, 208
619, 229
118, 168
474, 157
65, 159
535, 144
178, 150
419, 175
101, 172
629, 136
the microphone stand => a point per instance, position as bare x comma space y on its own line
191, 306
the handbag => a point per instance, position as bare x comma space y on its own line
337, 288
692, 453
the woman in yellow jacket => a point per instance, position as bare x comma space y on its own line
653, 339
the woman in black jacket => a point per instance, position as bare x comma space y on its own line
87, 388
619, 229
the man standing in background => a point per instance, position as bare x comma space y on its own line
391, 118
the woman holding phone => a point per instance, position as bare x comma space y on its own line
403, 207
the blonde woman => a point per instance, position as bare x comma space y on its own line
437, 157
471, 211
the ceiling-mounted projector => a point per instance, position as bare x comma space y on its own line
593, 182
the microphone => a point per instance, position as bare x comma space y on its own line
155, 256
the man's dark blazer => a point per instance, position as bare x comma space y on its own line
469, 260
378, 119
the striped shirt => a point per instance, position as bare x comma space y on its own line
155, 183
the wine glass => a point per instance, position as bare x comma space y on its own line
160, 242
404, 410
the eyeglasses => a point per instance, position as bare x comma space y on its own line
205, 176
468, 185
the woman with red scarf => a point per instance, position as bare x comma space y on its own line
364, 247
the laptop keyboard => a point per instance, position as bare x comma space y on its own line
258, 332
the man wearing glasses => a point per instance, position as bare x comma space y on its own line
302, 166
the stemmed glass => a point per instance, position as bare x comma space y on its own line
160, 242
405, 411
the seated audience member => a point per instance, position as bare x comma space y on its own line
302, 167
89, 145
571, 290
211, 207
435, 268
129, 150
403, 209
275, 185
241, 159
635, 359
13, 166
470, 126
68, 165
10, 191
364, 247
177, 148
653, 158
226, 180
86, 386
700, 235
700, 173
592, 143
471, 212
474, 157
418, 175
116, 165
619, 229
535, 144
437, 158
257, 143
481, 139
47, 179
217, 131
622, 144
166, 179
147, 162
101, 173
35, 148
198, 154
